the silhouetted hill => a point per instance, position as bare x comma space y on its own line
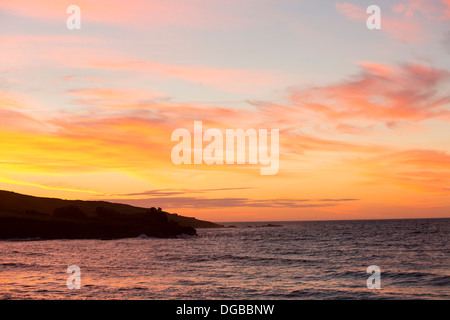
23, 216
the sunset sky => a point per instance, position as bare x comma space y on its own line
363, 115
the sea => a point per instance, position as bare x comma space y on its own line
320, 260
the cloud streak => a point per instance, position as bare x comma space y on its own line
206, 203
172, 192
381, 92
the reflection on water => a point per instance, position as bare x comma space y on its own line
300, 260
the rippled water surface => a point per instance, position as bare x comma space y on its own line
299, 260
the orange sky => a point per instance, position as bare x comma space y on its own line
363, 115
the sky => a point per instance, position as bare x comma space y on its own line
363, 115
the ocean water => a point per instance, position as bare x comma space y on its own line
299, 260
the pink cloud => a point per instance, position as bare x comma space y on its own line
432, 9
351, 11
447, 11
381, 92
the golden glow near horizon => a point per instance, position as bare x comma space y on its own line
363, 115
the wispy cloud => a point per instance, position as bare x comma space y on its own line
172, 192
381, 92
204, 203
